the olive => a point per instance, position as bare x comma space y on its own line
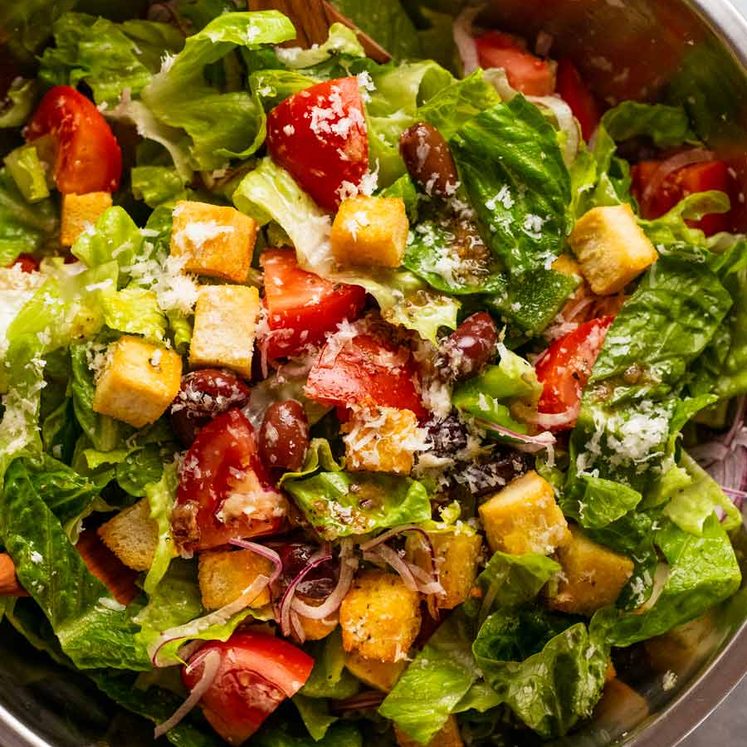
468, 349
203, 395
284, 436
428, 159
318, 583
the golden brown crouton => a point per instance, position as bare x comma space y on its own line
138, 383
217, 241
380, 616
592, 576
382, 675
457, 556
619, 709
524, 517
381, 439
132, 536
449, 736
80, 212
225, 323
223, 576
370, 231
566, 265
611, 248
315, 630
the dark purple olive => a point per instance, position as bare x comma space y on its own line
319, 583
428, 159
468, 349
284, 436
203, 395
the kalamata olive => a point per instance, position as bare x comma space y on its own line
203, 395
492, 473
428, 159
446, 436
284, 436
318, 583
468, 349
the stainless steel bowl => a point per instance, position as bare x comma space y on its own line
692, 52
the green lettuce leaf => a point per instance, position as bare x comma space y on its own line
19, 102
315, 715
160, 497
157, 185
135, 311
434, 683
341, 41
338, 735
667, 126
108, 57
548, 671
341, 504
94, 630
329, 678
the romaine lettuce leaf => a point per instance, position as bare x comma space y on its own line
157, 185
329, 678
340, 504
667, 126
135, 311
94, 630
160, 497
315, 715
338, 735
18, 103
340, 41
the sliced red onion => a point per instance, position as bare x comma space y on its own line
348, 566
543, 44
414, 578
566, 122
218, 617
552, 419
529, 444
321, 556
668, 167
211, 664
364, 701
298, 630
365, 546
465, 40
265, 552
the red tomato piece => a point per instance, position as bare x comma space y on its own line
699, 177
26, 262
565, 367
319, 136
573, 90
526, 72
365, 371
88, 156
224, 491
256, 673
301, 306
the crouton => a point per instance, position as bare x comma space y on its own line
132, 536
457, 556
381, 439
370, 231
224, 328
682, 649
379, 616
611, 248
524, 517
592, 576
119, 579
566, 265
449, 736
10, 586
619, 710
315, 630
382, 675
223, 575
216, 241
138, 382
80, 212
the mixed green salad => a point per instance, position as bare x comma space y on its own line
351, 402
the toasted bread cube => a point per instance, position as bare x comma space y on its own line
524, 517
566, 265
80, 212
457, 555
382, 675
315, 630
619, 709
370, 231
611, 248
682, 649
225, 324
592, 576
138, 383
132, 536
379, 616
223, 575
448, 736
381, 439
216, 241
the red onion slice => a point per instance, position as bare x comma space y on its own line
370, 544
670, 166
531, 444
284, 614
566, 122
211, 664
465, 40
265, 552
348, 566
548, 420
414, 577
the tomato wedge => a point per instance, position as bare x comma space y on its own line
301, 306
224, 492
573, 90
699, 177
319, 136
526, 72
367, 371
256, 673
88, 157
564, 369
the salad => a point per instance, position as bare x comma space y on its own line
350, 402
